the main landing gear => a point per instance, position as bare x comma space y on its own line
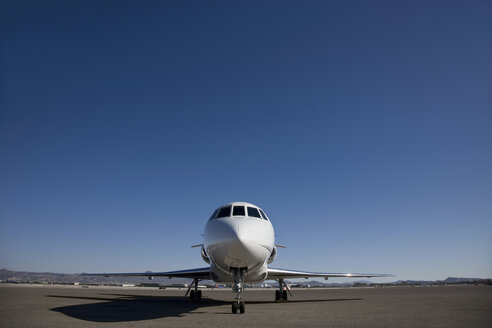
281, 293
238, 303
195, 294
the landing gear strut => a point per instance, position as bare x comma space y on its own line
195, 294
281, 293
238, 303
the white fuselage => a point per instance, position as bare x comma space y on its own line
239, 243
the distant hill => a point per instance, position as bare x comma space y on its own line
454, 280
449, 280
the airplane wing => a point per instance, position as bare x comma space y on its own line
282, 274
200, 273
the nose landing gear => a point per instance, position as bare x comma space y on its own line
238, 303
238, 307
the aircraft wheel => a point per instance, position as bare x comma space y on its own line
199, 296
234, 307
241, 307
277, 295
284, 295
192, 296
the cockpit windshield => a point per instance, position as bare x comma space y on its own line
224, 212
238, 211
253, 212
214, 214
263, 215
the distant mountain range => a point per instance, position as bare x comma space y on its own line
64, 278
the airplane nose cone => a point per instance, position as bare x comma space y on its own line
237, 248
233, 231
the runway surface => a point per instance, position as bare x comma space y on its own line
57, 306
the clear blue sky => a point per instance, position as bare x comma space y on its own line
362, 128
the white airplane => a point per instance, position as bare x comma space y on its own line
238, 244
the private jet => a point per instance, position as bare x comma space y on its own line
239, 244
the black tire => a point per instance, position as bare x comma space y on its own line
199, 296
241, 307
192, 296
234, 307
277, 295
284, 295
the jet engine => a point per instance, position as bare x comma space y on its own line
205, 256
273, 255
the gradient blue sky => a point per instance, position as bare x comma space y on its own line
362, 128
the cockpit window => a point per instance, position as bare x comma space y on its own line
263, 215
253, 212
224, 212
238, 211
214, 214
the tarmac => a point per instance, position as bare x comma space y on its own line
75, 306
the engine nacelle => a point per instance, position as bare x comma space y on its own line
205, 256
273, 255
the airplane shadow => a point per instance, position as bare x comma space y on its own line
142, 307
307, 301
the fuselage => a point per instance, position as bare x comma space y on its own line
239, 236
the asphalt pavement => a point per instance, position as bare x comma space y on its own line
75, 306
